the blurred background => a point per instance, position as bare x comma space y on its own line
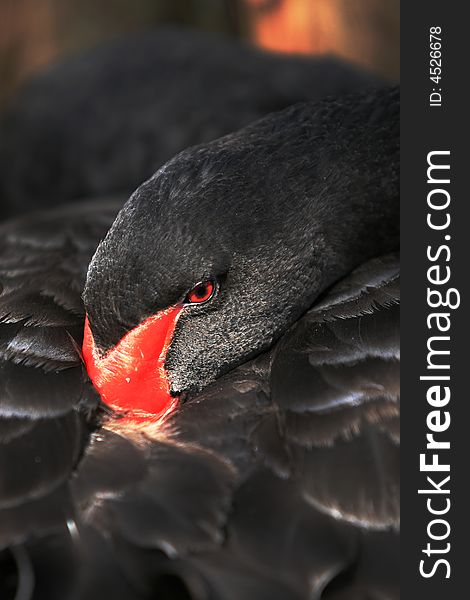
34, 33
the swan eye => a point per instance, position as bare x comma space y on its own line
201, 292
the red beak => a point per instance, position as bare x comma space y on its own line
131, 377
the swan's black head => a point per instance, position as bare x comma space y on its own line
269, 217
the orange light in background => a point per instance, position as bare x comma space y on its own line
364, 31
302, 26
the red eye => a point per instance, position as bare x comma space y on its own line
201, 292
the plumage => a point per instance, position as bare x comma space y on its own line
277, 479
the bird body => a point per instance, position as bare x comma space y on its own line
275, 473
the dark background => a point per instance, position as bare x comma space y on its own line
35, 32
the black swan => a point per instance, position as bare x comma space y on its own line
242, 329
